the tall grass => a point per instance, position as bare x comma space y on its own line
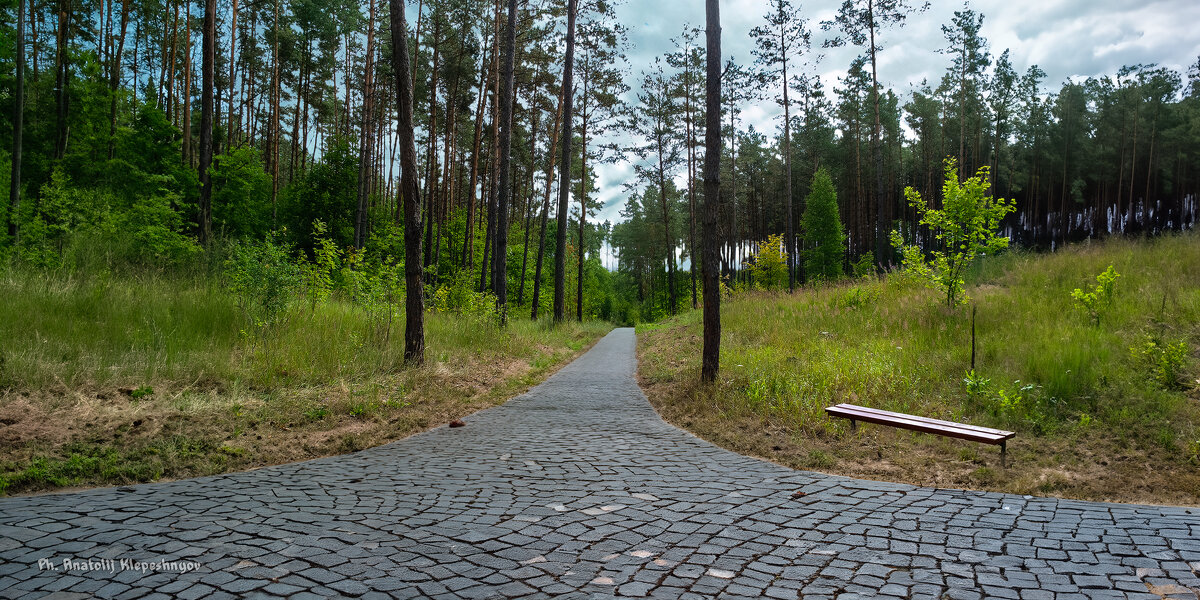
78, 331
1041, 364
131, 375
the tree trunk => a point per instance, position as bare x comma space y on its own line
187, 94
62, 79
789, 234
500, 268
206, 119
414, 306
114, 77
668, 244
366, 143
232, 73
884, 207
431, 151
276, 134
528, 207
564, 176
711, 354
14, 190
691, 168
171, 102
537, 272
468, 257
583, 192
489, 237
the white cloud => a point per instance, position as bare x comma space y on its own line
1067, 39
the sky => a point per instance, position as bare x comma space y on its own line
1066, 38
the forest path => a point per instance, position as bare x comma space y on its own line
578, 489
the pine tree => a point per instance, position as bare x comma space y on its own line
823, 236
414, 291
564, 175
711, 353
860, 22
785, 33
206, 118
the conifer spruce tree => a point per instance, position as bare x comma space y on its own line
824, 239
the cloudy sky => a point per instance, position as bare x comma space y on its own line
1066, 38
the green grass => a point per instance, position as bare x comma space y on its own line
892, 344
75, 331
117, 379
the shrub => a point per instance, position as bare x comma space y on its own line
768, 266
458, 295
1164, 361
1094, 302
264, 279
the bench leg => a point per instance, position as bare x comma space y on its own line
1004, 454
853, 425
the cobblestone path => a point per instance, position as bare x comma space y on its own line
578, 490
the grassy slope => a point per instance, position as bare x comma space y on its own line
79, 355
1094, 424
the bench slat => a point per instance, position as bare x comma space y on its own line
922, 424
887, 413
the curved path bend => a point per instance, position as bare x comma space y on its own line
577, 489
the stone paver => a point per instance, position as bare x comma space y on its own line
578, 490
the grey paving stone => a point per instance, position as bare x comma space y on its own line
578, 483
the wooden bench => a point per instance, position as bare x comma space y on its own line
961, 431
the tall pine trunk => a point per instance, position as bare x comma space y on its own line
583, 192
232, 74
14, 190
366, 143
710, 268
884, 214
500, 268
468, 257
564, 175
114, 76
788, 245
62, 79
537, 272
206, 118
414, 305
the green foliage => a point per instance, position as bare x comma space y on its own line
375, 282
858, 296
318, 275
822, 226
768, 266
864, 267
1096, 301
241, 194
317, 413
157, 232
264, 279
327, 192
1163, 361
965, 228
978, 386
459, 296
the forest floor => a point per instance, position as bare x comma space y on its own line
1105, 412
113, 380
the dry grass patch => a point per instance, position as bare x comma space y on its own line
96, 389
